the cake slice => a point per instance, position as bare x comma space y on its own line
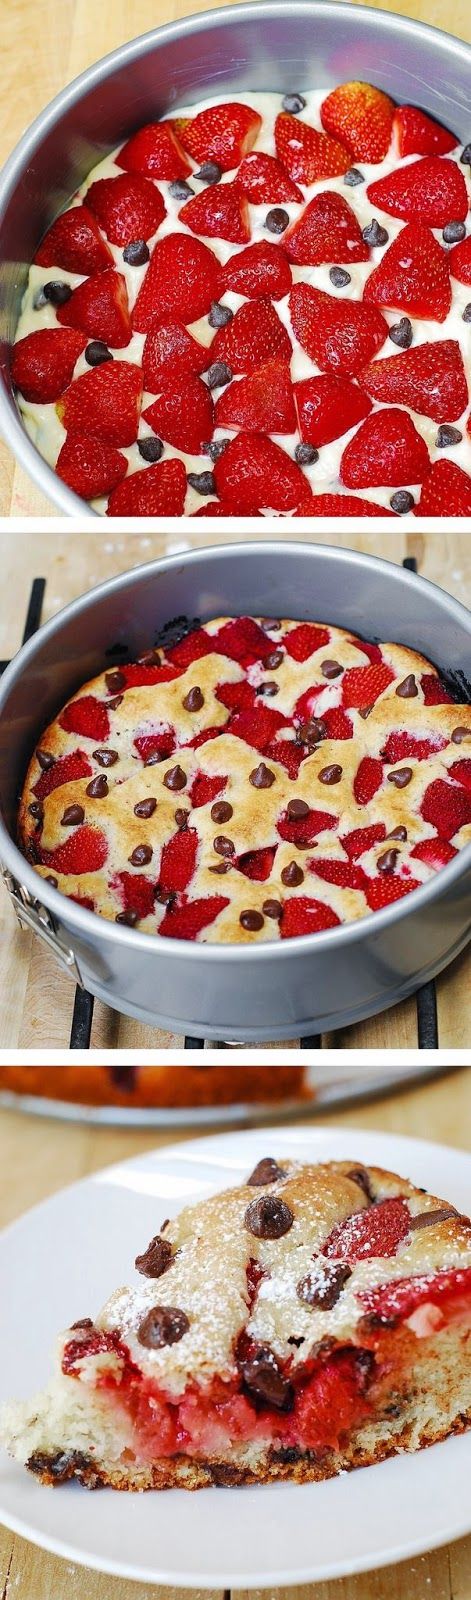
313, 1319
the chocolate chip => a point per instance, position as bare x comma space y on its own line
306, 455
72, 817
165, 897
180, 189
268, 689
270, 624
141, 855
430, 1219
98, 788
215, 448
155, 758
62, 1465
36, 810
219, 315
388, 861
277, 220
323, 1284
175, 779
56, 293
454, 232
361, 1177
150, 449
331, 774
465, 156
162, 1325
447, 436
46, 760
353, 177
261, 777
115, 681
401, 777
402, 502
398, 833
112, 705
311, 732
145, 808
401, 333
209, 172
365, 711
181, 818
272, 909
274, 660
52, 880
105, 758
194, 700
292, 875
151, 658
202, 482
155, 1260
218, 374
460, 734
223, 846
82, 1322
265, 1382
331, 669
136, 253
294, 103
339, 277
268, 1217
407, 690
221, 811
223, 866
266, 1171
296, 809
467, 313
374, 234
128, 918
97, 352
252, 921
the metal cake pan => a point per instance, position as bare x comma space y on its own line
268, 991
266, 44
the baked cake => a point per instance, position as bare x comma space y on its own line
136, 1087
259, 306
310, 1320
251, 780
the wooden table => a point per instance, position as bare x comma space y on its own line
44, 45
38, 1157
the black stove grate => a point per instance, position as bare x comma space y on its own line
82, 1019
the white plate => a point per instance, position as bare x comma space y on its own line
60, 1261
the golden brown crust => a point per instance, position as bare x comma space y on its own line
155, 1087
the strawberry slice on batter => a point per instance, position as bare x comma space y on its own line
254, 473
413, 275
74, 243
255, 335
90, 467
42, 363
183, 415
327, 230
262, 402
159, 491
127, 208
155, 151
306, 154
301, 642
66, 770
346, 505
361, 116
433, 189
302, 830
265, 182
328, 406
85, 850
87, 717
431, 379
459, 261
378, 1230
178, 860
257, 864
259, 272
368, 779
447, 806
303, 915
204, 789
446, 492
180, 283
223, 134
341, 336
171, 353
436, 853
219, 212
104, 403
188, 920
361, 686
387, 449
419, 135
360, 840
99, 307
385, 890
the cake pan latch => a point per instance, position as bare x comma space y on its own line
32, 914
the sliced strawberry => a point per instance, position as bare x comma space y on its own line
387, 449
42, 363
223, 134
346, 505
137, 674
401, 746
83, 900
136, 891
156, 744
203, 737
461, 770
156, 151
447, 806
265, 182
362, 117
66, 770
99, 306
171, 353
256, 727
327, 230
397, 1300
328, 407
307, 154
253, 472
303, 641
434, 691
90, 467
85, 850
302, 830
360, 840
104, 403
257, 864
446, 492
187, 921
262, 402
242, 640
255, 335
368, 779
74, 243
376, 1231
340, 335
236, 696
337, 723
219, 212
302, 915
192, 647
419, 135
361, 686
413, 275
372, 651
435, 852
305, 706
459, 261
432, 189
205, 789
88, 717
180, 283
127, 208
386, 889
289, 755
178, 860
341, 873
183, 415
259, 272
218, 508
157, 492
430, 379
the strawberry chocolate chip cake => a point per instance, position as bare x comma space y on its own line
250, 779
313, 1319
260, 306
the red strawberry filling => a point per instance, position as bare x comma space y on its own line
66, 770
302, 830
88, 717
85, 851
377, 1230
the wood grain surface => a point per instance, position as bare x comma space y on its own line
38, 1157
